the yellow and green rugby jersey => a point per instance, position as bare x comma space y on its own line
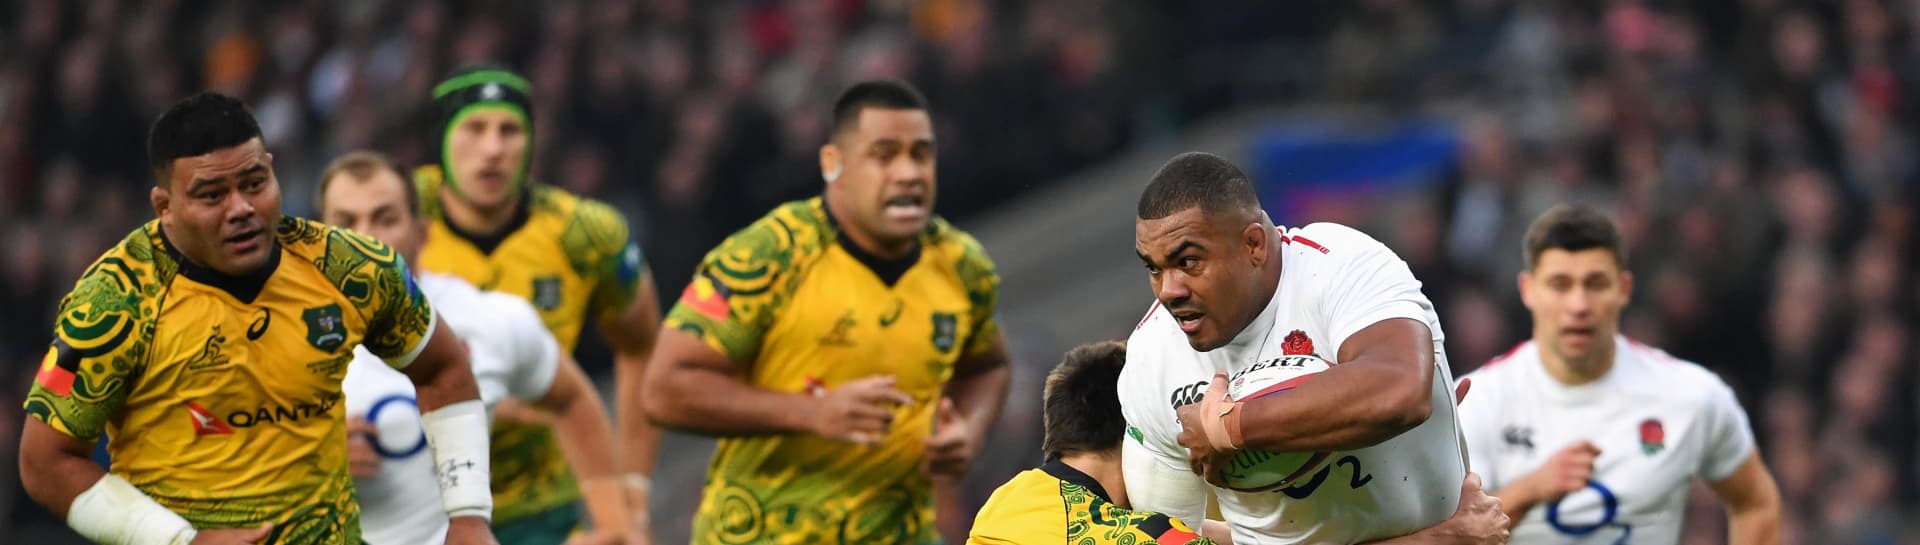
219, 394
573, 258
787, 297
1057, 504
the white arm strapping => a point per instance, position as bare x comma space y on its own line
457, 434
113, 512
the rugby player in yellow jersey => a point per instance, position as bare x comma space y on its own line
843, 347
1079, 495
210, 345
572, 257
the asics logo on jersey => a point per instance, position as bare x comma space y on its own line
1189, 394
261, 320
1517, 437
271, 414
204, 422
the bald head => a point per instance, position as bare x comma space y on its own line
1204, 180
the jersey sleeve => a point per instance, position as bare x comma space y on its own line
1480, 425
1371, 286
608, 254
1152, 461
982, 282
737, 291
533, 351
1729, 436
376, 279
98, 352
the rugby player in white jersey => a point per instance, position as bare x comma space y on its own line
1590, 437
514, 359
1234, 290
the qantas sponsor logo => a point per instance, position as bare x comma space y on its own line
204, 422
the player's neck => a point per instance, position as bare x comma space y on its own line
1573, 375
1104, 467
473, 219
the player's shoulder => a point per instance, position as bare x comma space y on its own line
427, 180
120, 288
336, 251
139, 265
1506, 366
1332, 239
791, 235
1155, 340
546, 201
1669, 376
968, 258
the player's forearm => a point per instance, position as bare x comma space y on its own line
639, 439
717, 404
1754, 527
55, 478
451, 383
1515, 501
1351, 406
979, 396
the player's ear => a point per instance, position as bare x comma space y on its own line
1254, 236
830, 165
1525, 279
160, 199
1626, 287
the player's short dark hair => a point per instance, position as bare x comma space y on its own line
883, 94
198, 125
1198, 179
1574, 227
1082, 401
363, 165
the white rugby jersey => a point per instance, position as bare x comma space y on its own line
512, 355
1658, 422
1334, 281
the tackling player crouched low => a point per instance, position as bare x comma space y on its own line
210, 345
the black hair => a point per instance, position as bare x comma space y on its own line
884, 94
1197, 179
195, 126
1574, 227
1082, 401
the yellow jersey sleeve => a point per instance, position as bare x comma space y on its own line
99, 346
737, 291
376, 280
982, 283
606, 254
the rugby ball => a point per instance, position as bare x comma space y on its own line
1257, 471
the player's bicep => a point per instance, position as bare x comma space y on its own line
1159, 482
630, 328
994, 355
77, 391
1749, 487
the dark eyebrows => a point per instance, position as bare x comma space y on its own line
1182, 248
258, 167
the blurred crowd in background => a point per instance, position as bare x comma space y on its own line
1759, 154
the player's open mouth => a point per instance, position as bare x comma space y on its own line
1582, 334
906, 207
1189, 321
246, 241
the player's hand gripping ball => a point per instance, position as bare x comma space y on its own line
1254, 470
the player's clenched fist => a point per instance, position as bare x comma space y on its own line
1564, 473
1479, 519
859, 411
237, 536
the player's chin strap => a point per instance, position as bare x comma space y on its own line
113, 512
458, 435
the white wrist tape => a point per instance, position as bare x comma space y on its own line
113, 512
458, 435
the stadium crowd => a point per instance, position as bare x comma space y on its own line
1758, 153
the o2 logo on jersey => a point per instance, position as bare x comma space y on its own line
1609, 510
397, 445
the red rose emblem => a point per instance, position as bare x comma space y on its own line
1297, 344
1653, 436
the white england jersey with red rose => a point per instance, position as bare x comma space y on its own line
1334, 281
1659, 422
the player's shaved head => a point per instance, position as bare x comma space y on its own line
197, 126
1574, 227
1082, 401
882, 94
1199, 179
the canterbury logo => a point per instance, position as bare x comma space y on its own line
204, 423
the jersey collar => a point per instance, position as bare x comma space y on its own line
1060, 470
487, 243
889, 270
245, 288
